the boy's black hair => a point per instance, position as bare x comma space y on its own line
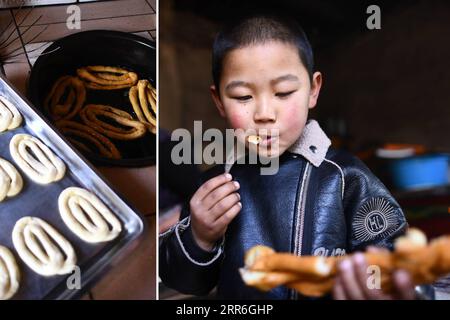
259, 29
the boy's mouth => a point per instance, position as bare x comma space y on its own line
261, 140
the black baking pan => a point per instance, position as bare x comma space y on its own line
100, 47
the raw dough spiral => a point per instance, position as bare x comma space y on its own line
11, 182
43, 248
9, 274
44, 167
10, 118
87, 216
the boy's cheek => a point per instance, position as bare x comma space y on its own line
292, 117
238, 120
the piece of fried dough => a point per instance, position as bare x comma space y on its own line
10, 117
266, 269
126, 128
75, 131
43, 166
66, 98
9, 274
254, 139
87, 216
107, 78
142, 97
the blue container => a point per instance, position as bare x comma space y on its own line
420, 172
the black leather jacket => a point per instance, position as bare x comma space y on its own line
320, 202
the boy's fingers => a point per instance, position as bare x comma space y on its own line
374, 249
362, 276
221, 207
350, 283
218, 194
404, 285
338, 290
210, 185
228, 216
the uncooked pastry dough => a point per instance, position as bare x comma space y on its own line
9, 274
10, 118
43, 248
87, 216
10, 180
44, 167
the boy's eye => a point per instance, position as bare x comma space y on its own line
284, 94
243, 98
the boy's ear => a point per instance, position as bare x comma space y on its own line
315, 89
217, 101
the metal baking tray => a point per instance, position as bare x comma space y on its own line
41, 201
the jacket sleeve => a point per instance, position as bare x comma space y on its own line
373, 216
183, 265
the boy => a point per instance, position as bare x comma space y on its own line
320, 202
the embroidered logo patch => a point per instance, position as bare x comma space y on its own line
375, 217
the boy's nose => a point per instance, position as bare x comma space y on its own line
264, 113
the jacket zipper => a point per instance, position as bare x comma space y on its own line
300, 217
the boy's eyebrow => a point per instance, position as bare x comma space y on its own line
286, 77
236, 83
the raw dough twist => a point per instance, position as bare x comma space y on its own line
44, 167
43, 248
87, 216
11, 182
10, 118
9, 274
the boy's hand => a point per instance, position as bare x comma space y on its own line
351, 282
213, 206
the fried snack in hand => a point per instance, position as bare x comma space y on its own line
107, 78
314, 276
142, 97
72, 129
126, 128
66, 98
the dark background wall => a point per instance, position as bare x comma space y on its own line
388, 85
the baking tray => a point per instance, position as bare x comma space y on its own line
41, 201
100, 47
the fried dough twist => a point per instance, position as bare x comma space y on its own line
107, 78
314, 276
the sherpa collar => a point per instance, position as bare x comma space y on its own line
313, 144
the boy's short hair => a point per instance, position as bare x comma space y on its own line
259, 29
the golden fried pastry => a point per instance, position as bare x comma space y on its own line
314, 276
142, 97
125, 129
254, 139
43, 166
107, 78
87, 216
11, 181
9, 274
75, 131
43, 248
10, 117
66, 98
